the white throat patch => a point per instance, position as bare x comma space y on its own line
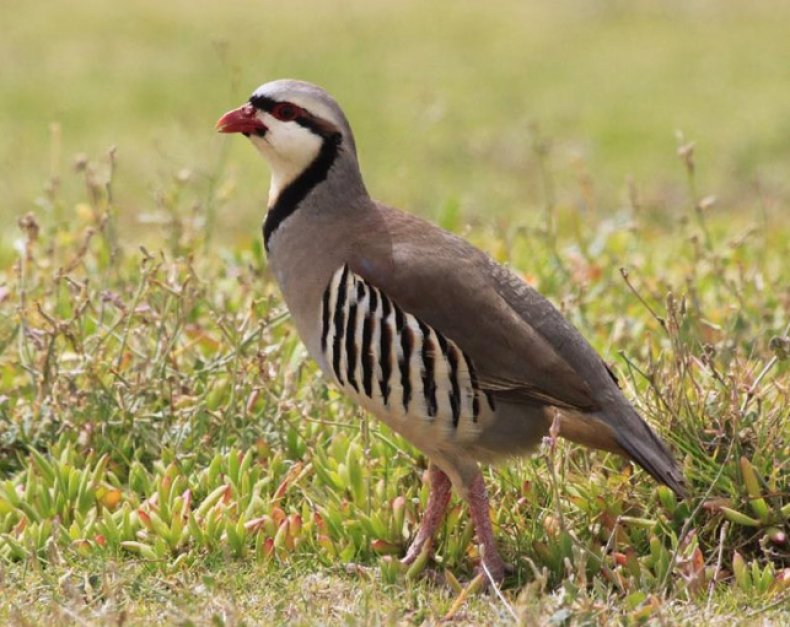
289, 148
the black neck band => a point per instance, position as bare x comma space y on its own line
296, 191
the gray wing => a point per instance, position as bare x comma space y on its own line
522, 348
524, 351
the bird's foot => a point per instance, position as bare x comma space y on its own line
494, 570
415, 550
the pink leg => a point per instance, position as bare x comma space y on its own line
439, 487
478, 509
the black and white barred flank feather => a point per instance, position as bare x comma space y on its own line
388, 356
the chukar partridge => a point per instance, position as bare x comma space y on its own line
447, 347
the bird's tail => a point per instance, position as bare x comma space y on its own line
621, 430
640, 443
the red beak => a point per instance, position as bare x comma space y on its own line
241, 120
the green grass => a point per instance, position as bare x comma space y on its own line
168, 452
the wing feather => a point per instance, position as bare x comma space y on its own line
521, 346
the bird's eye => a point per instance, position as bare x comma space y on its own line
285, 111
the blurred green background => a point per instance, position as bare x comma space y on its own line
447, 98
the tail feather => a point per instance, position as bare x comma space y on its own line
621, 430
642, 445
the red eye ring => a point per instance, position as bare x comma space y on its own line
286, 111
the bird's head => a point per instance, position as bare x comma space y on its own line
293, 124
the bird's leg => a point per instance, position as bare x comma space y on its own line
439, 488
478, 510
